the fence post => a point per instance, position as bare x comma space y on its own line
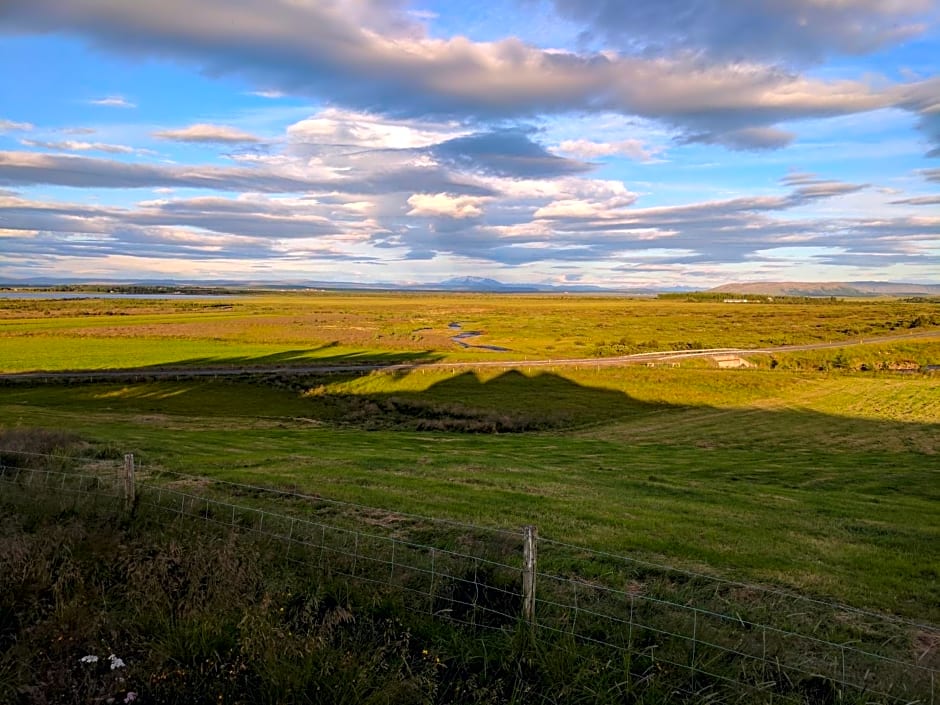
529, 562
130, 490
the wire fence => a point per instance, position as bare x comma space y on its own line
700, 634
712, 635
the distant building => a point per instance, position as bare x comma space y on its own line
728, 362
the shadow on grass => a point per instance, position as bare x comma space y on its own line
305, 357
513, 402
309, 361
509, 402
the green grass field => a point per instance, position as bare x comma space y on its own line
299, 329
827, 482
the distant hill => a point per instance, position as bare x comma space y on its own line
846, 289
466, 284
477, 284
482, 284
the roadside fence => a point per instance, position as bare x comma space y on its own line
700, 634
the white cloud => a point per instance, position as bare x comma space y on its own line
12, 126
113, 101
588, 149
80, 146
271, 94
333, 127
370, 55
570, 187
204, 132
443, 204
576, 208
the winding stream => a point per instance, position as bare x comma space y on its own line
461, 339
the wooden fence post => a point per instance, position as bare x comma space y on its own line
529, 560
130, 490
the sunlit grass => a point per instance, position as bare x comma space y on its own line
92, 334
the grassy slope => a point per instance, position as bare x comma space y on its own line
806, 480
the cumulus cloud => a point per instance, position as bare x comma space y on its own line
614, 213
380, 59
334, 127
572, 208
443, 204
795, 30
204, 132
406, 189
506, 152
522, 222
420, 154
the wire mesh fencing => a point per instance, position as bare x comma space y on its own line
463, 573
696, 633
716, 636
63, 475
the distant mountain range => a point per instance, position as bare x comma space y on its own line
483, 284
841, 289
469, 284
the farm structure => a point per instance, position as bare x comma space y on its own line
726, 362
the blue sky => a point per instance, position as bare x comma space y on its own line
649, 143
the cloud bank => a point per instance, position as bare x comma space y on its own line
423, 149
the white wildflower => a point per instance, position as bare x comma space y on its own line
90, 658
116, 662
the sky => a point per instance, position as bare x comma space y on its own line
649, 143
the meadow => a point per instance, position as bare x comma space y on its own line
295, 329
812, 471
816, 471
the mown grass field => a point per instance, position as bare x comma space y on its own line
807, 473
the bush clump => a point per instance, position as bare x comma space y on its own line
30, 447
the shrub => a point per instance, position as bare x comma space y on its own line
24, 447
